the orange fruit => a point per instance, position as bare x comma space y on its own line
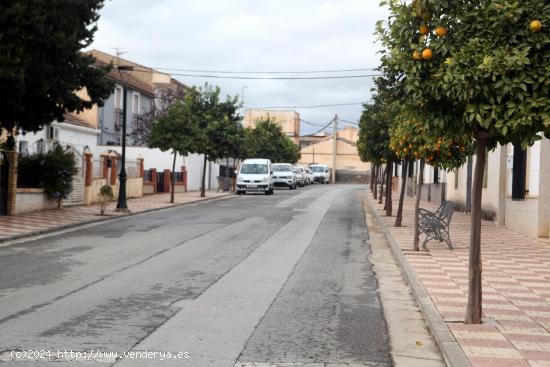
423, 29
535, 26
441, 31
417, 55
427, 54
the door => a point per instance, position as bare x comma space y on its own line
4, 170
160, 181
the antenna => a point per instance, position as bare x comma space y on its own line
119, 51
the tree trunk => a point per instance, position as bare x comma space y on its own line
473, 311
381, 193
203, 184
372, 166
420, 182
469, 186
399, 217
173, 176
375, 182
389, 187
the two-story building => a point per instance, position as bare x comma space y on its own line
139, 101
144, 87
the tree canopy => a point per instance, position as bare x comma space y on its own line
267, 140
476, 70
41, 65
175, 129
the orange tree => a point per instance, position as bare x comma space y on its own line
373, 143
485, 62
411, 140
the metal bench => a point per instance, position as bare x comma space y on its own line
435, 225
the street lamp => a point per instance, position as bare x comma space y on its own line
121, 204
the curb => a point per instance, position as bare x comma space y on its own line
54, 230
452, 352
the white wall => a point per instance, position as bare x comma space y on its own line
194, 164
544, 189
490, 201
30, 200
76, 136
155, 158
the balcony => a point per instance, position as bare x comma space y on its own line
118, 118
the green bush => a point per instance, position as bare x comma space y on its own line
52, 171
105, 195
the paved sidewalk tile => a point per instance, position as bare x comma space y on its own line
516, 289
44, 220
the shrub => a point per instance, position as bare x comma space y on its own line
52, 171
105, 195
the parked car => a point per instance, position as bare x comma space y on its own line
283, 175
255, 175
321, 173
310, 175
300, 178
305, 173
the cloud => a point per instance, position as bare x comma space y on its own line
254, 36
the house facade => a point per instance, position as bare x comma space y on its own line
145, 89
288, 120
349, 167
139, 102
77, 133
516, 187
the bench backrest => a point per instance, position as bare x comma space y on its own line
445, 211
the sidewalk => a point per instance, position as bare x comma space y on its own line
516, 288
27, 224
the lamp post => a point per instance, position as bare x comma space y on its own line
121, 203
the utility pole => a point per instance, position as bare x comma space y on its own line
313, 155
243, 87
334, 130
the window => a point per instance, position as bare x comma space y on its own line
411, 169
135, 104
436, 175
251, 168
282, 168
456, 178
23, 147
118, 98
519, 173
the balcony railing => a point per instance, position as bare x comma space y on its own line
118, 118
137, 122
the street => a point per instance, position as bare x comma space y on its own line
249, 280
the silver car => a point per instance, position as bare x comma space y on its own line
300, 177
283, 175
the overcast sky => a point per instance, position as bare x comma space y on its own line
259, 35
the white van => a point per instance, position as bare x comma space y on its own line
255, 175
321, 173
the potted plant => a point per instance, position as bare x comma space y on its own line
105, 195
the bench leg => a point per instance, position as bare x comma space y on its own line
448, 240
426, 240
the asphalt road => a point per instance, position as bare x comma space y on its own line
250, 281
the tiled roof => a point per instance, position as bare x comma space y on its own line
104, 58
74, 119
126, 78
